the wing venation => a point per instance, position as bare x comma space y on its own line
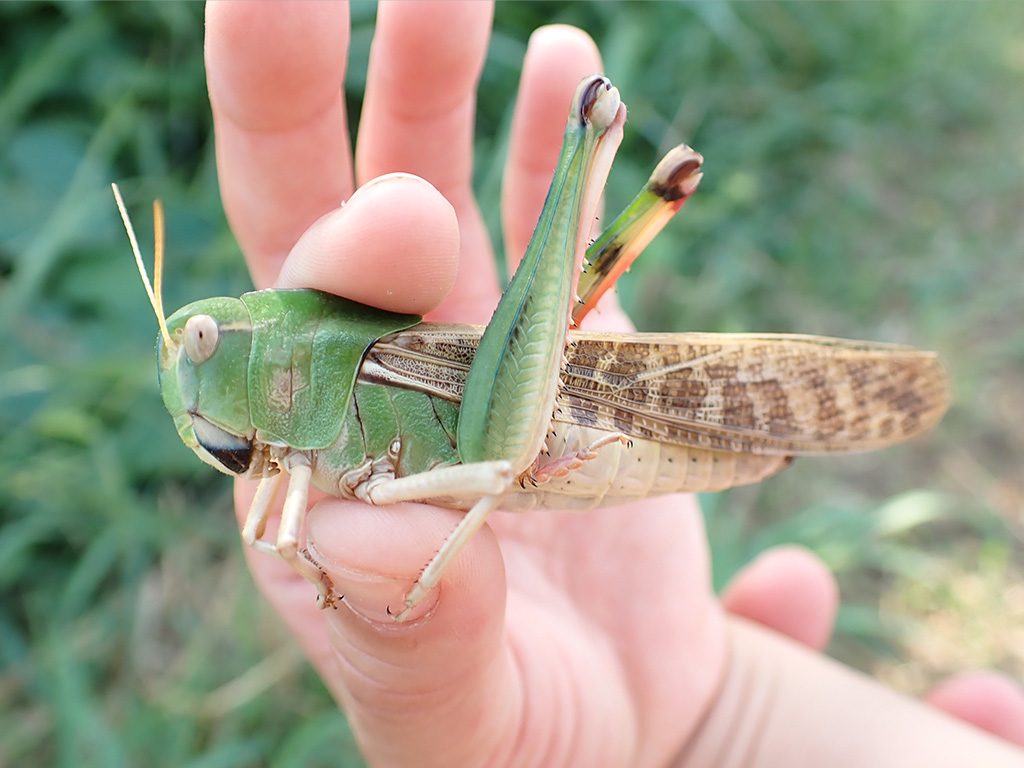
745, 393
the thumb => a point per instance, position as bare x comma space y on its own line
439, 684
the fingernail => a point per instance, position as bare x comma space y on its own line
389, 178
379, 598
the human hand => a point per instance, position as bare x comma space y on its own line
590, 639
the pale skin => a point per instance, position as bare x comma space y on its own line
554, 638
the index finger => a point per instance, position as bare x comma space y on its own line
275, 72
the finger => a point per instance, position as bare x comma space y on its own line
393, 245
789, 590
275, 72
421, 92
418, 117
409, 689
988, 700
557, 58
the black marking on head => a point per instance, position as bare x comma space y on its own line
235, 460
234, 453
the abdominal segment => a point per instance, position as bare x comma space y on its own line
620, 474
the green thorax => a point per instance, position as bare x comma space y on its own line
384, 418
307, 347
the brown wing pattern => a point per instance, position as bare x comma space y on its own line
759, 394
764, 394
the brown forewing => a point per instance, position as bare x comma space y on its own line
761, 394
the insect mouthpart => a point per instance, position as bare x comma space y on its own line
229, 453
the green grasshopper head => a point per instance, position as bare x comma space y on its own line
203, 366
203, 359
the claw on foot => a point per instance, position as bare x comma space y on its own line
412, 598
326, 597
323, 602
401, 616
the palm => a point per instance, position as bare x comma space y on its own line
615, 605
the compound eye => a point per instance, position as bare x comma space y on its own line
201, 337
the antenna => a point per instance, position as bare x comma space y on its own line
156, 299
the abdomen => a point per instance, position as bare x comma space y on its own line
622, 474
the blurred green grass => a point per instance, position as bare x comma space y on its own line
863, 178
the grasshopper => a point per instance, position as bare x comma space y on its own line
528, 412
